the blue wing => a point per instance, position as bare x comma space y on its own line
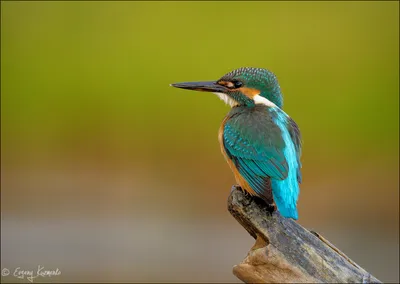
261, 157
256, 144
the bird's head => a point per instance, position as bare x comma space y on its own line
244, 86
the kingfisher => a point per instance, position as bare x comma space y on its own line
259, 141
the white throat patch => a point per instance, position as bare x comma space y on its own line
257, 100
227, 99
263, 101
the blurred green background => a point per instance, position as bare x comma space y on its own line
109, 174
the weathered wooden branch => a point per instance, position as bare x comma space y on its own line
285, 252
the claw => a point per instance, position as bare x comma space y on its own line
236, 186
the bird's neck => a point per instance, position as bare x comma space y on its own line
274, 95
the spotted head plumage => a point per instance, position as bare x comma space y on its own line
255, 81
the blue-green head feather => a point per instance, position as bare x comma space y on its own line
259, 79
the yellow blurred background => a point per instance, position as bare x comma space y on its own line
110, 174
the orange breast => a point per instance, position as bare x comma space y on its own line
238, 177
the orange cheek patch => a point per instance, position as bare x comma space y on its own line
226, 83
249, 92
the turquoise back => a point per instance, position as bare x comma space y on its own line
286, 192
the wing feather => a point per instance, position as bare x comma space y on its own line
256, 150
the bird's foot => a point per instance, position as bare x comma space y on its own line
245, 192
272, 207
236, 186
269, 206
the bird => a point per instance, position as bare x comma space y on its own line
260, 142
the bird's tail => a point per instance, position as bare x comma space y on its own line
285, 197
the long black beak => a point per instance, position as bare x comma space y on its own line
209, 86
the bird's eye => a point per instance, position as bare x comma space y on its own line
237, 84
